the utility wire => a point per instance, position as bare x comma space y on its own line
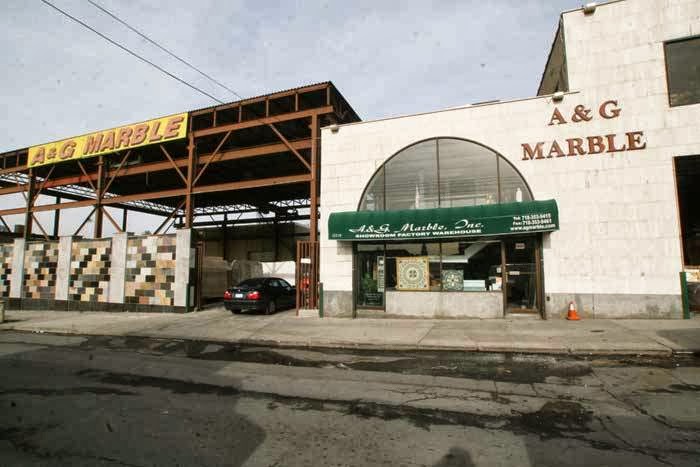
172, 54
130, 52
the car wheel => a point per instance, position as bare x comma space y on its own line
236, 312
271, 308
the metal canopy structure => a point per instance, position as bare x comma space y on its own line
259, 156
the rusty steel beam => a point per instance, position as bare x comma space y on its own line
43, 183
233, 154
110, 219
84, 222
9, 170
257, 183
277, 95
13, 189
97, 232
213, 155
313, 228
114, 176
289, 146
243, 185
29, 198
89, 179
41, 227
167, 219
172, 162
264, 121
191, 167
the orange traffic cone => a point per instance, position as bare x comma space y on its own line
572, 316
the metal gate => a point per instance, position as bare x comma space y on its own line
307, 275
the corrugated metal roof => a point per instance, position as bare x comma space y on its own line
264, 95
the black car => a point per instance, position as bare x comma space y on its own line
267, 294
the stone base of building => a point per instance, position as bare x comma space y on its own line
611, 306
73, 305
490, 305
337, 303
445, 304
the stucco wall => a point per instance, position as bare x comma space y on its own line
619, 232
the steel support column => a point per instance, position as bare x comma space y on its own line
28, 215
99, 193
191, 167
313, 227
56, 218
224, 236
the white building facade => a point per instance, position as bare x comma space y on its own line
596, 155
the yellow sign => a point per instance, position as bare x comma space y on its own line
136, 135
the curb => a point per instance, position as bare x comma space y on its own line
570, 351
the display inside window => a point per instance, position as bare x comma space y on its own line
452, 280
412, 273
477, 263
429, 251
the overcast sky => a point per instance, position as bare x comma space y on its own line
386, 57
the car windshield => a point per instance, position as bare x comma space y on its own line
251, 283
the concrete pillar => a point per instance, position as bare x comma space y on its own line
117, 271
65, 245
183, 259
17, 277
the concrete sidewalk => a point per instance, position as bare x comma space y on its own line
601, 337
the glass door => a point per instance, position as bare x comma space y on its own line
521, 258
371, 266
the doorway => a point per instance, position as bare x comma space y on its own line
522, 275
370, 267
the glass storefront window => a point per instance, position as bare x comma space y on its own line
468, 174
471, 266
443, 172
411, 180
513, 187
413, 266
373, 199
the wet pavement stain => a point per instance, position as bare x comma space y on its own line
504, 367
75, 391
172, 385
556, 417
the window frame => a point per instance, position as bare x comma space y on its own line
499, 159
665, 49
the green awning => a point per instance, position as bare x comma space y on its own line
467, 221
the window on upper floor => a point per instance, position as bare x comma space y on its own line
683, 71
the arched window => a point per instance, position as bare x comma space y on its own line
443, 172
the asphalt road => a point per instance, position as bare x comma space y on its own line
71, 400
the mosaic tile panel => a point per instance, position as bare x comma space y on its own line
89, 270
6, 250
40, 261
150, 270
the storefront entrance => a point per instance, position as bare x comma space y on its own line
370, 267
522, 275
509, 267
447, 228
